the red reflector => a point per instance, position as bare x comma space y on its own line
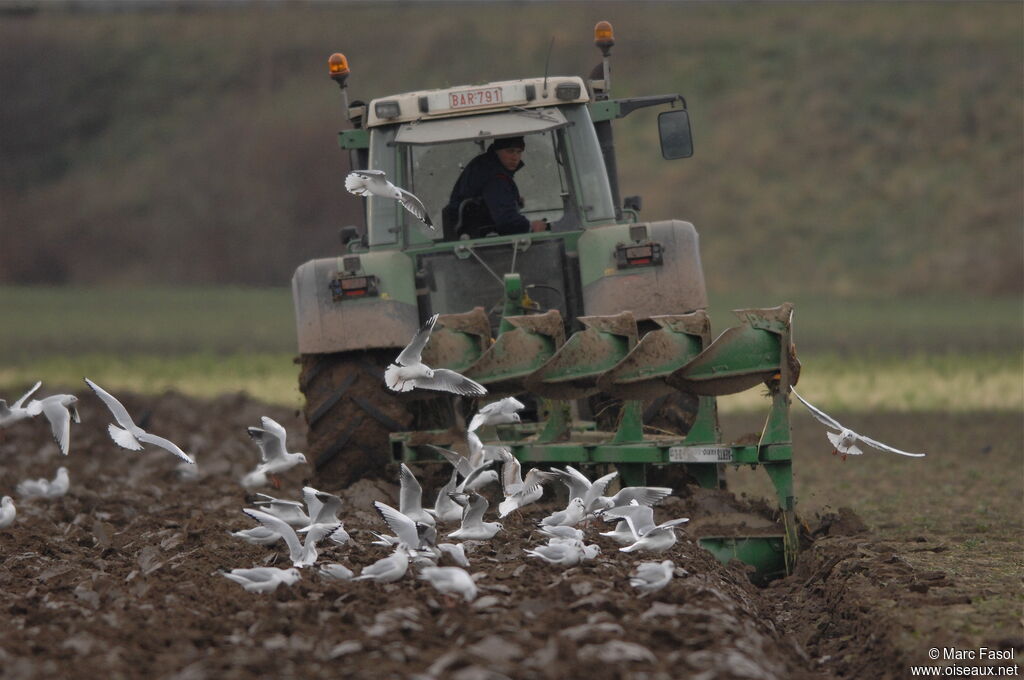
643, 260
352, 284
353, 293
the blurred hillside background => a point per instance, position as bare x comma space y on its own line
164, 167
854, 149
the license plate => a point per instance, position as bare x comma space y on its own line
700, 454
485, 96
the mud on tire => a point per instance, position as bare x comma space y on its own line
349, 413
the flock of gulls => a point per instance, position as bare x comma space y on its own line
416, 538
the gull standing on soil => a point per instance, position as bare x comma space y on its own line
570, 517
16, 411
562, 532
274, 457
388, 569
450, 581
473, 527
375, 182
7, 512
258, 535
59, 410
301, 555
845, 441
565, 552
336, 572
648, 535
44, 488
130, 436
497, 413
651, 576
409, 371
262, 579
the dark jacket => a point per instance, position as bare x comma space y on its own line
485, 177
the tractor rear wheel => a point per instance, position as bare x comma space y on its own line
349, 414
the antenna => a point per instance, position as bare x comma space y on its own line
547, 63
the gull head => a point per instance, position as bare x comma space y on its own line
290, 576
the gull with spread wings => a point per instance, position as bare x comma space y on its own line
375, 182
409, 371
129, 435
845, 441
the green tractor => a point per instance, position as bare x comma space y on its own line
598, 324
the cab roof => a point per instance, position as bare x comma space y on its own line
466, 100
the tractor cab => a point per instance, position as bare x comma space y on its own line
424, 140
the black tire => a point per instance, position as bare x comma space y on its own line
350, 414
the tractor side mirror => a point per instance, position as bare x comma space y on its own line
674, 133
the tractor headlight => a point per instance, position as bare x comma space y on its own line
387, 109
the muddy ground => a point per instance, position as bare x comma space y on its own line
120, 579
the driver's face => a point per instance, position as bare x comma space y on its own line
510, 157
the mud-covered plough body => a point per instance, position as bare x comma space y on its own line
610, 356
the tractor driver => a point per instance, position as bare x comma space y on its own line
487, 195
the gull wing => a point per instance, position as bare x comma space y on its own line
639, 517
21, 400
577, 488
165, 444
476, 472
885, 447
410, 498
119, 412
511, 474
473, 514
535, 477
596, 489
672, 523
330, 506
60, 422
415, 206
644, 495
281, 527
270, 445
458, 461
313, 504
822, 417
275, 428
412, 352
448, 380
404, 528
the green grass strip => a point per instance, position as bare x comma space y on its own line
920, 383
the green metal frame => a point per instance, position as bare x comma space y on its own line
735, 361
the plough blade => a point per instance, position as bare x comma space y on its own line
573, 372
519, 352
458, 340
741, 357
643, 372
